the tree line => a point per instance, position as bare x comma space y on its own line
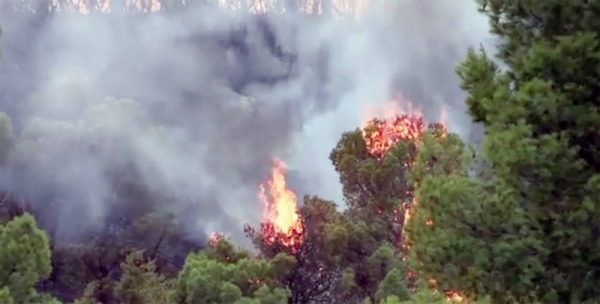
517, 221
44, 8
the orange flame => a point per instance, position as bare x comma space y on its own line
214, 239
283, 223
381, 135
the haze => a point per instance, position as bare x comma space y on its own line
195, 103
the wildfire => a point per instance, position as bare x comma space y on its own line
283, 223
214, 239
382, 134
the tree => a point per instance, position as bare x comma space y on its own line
448, 218
327, 259
24, 248
377, 189
139, 283
530, 229
106, 259
425, 295
316, 273
5, 296
392, 285
24, 261
222, 274
88, 296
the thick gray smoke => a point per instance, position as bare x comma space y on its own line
194, 104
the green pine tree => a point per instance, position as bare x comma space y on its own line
530, 230
24, 261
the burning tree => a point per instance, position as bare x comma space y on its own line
528, 230
375, 164
383, 135
344, 256
283, 224
301, 233
282, 229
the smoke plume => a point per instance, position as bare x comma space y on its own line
193, 103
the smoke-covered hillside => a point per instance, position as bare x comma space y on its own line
190, 104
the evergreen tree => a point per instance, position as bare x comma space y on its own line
140, 283
224, 275
392, 285
530, 230
24, 261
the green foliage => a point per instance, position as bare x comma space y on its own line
229, 276
88, 295
314, 272
5, 296
424, 296
427, 296
100, 257
530, 232
24, 257
372, 186
24, 261
392, 285
140, 283
45, 299
76, 266
368, 236
317, 271
370, 231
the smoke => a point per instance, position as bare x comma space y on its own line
193, 104
414, 50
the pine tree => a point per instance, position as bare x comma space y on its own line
531, 229
24, 261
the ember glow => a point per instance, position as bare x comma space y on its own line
282, 221
454, 296
214, 239
383, 134
383, 131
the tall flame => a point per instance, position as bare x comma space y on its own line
282, 220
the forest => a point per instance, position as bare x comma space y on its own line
429, 218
